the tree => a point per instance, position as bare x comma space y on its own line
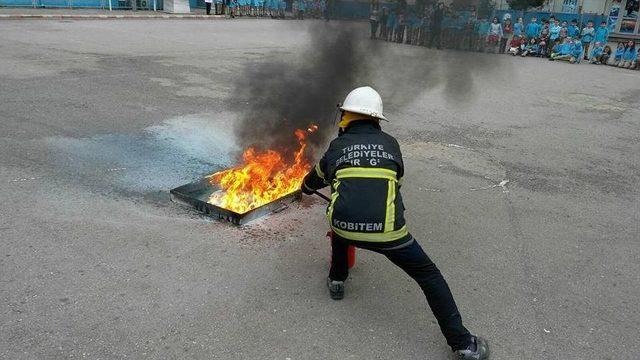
524, 4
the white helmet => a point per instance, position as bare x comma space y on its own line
364, 100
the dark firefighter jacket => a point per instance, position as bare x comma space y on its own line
364, 168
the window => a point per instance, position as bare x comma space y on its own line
623, 16
570, 6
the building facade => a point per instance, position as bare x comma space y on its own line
621, 15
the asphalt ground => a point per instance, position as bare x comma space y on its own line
521, 183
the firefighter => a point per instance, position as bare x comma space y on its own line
364, 168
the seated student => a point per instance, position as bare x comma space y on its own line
543, 44
514, 45
562, 51
523, 46
630, 55
554, 49
577, 52
595, 53
564, 30
604, 57
531, 48
617, 57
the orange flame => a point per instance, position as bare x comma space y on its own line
263, 176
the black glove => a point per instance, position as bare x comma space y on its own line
306, 190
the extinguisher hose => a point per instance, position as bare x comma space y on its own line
322, 196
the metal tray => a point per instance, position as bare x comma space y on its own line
197, 193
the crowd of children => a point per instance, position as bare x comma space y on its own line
550, 38
271, 8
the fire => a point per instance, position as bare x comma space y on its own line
263, 176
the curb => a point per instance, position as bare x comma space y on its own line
107, 16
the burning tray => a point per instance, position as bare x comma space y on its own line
197, 194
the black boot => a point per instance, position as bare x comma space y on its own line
336, 289
478, 350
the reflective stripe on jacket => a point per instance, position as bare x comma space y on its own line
364, 168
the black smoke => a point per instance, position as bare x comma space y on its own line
284, 94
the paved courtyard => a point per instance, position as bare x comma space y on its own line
522, 184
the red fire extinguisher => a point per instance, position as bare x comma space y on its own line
351, 251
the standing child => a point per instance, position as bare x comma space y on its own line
532, 30
602, 33
447, 22
410, 26
554, 31
383, 23
588, 32
506, 36
495, 34
458, 31
518, 28
573, 31
391, 24
425, 29
467, 34
483, 30
400, 26
373, 20
302, 7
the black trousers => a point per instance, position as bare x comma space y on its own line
413, 260
208, 5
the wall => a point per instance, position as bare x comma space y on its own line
98, 4
557, 6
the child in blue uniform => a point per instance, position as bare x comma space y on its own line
532, 30
596, 52
577, 52
562, 51
531, 49
518, 28
602, 33
617, 57
391, 24
573, 31
630, 56
483, 31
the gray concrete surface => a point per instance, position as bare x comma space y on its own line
100, 119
